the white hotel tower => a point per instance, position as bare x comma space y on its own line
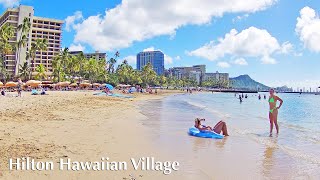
43, 28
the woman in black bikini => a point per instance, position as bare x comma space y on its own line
221, 126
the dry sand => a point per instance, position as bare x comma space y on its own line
79, 126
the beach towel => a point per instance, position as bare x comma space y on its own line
112, 95
34, 92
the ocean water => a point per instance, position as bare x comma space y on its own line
249, 152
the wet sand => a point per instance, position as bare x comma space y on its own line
79, 126
248, 153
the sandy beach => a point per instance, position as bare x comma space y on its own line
79, 126
84, 127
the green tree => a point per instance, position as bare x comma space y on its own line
38, 45
24, 29
162, 80
112, 62
24, 71
91, 69
60, 63
125, 73
81, 60
6, 33
148, 75
41, 72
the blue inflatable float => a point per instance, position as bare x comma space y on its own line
204, 134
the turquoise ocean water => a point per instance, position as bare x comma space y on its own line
249, 152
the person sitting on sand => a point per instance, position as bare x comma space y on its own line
3, 92
43, 91
221, 126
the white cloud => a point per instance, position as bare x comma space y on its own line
268, 60
223, 64
240, 61
9, 3
251, 42
132, 60
76, 47
286, 48
137, 20
239, 18
177, 58
167, 59
307, 27
150, 49
72, 20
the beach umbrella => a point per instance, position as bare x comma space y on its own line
1, 84
85, 84
33, 83
64, 84
96, 84
11, 84
109, 86
73, 85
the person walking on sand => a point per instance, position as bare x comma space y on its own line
273, 112
221, 126
19, 87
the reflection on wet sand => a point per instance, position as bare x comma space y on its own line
200, 143
203, 143
221, 142
268, 161
275, 163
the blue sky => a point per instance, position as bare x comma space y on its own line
262, 38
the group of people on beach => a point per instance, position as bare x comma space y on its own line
221, 126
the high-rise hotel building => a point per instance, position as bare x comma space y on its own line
155, 58
41, 28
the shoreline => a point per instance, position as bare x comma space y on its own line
79, 126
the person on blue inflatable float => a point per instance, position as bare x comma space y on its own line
221, 126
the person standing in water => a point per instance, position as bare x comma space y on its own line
273, 112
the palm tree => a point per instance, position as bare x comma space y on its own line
60, 63
148, 74
125, 73
41, 45
112, 62
38, 45
41, 72
6, 33
24, 70
91, 69
24, 28
81, 62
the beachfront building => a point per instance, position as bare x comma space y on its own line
156, 58
41, 28
196, 71
218, 77
96, 55
196, 76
